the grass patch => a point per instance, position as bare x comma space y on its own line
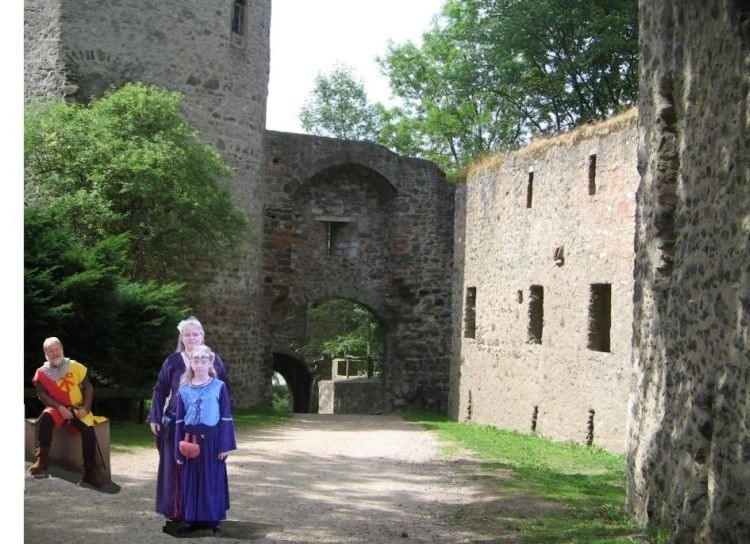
580, 490
258, 417
128, 436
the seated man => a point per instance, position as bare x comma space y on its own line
63, 386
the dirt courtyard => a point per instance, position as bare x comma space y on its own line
317, 478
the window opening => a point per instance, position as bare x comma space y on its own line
340, 234
470, 313
559, 256
530, 189
592, 174
335, 238
590, 428
600, 317
238, 22
536, 314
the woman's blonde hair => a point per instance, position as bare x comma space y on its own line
190, 322
189, 374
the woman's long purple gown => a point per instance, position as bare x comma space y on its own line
167, 385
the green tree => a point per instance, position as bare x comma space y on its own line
491, 74
342, 327
338, 108
118, 327
129, 163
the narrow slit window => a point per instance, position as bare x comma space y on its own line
238, 17
536, 314
530, 189
470, 313
592, 174
600, 317
559, 256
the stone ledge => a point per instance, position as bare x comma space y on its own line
67, 450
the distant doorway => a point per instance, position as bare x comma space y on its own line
297, 379
283, 400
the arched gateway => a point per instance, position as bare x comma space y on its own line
352, 220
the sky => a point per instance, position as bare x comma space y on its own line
310, 37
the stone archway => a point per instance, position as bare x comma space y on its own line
298, 378
352, 220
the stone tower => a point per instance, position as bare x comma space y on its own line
217, 54
689, 444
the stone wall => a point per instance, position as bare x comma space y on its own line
84, 47
689, 446
350, 397
44, 76
353, 220
553, 219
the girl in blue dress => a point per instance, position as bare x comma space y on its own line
204, 413
164, 411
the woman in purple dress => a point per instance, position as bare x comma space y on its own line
204, 416
163, 414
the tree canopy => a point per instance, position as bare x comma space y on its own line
119, 328
126, 210
130, 164
338, 108
491, 74
339, 327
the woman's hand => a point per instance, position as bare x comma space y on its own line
223, 455
155, 428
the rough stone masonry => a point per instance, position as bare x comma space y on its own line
544, 273
689, 440
537, 337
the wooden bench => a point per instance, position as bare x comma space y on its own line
67, 448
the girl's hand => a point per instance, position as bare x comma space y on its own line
223, 455
179, 461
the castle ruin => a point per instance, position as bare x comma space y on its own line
544, 274
689, 437
528, 324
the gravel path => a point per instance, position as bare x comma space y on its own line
317, 478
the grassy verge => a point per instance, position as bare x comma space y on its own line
548, 491
128, 436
